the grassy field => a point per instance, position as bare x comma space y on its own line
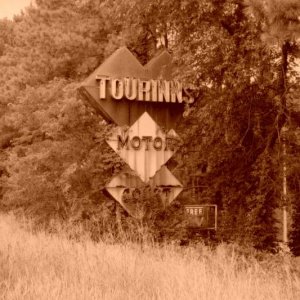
40, 266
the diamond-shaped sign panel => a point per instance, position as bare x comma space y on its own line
123, 64
169, 186
124, 185
129, 190
144, 146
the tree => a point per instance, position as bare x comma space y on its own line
281, 30
54, 160
48, 134
235, 85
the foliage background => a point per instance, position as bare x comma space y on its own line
240, 59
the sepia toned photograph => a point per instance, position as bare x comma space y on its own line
150, 149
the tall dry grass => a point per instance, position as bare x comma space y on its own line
40, 266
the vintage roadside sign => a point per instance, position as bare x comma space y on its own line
202, 216
128, 189
145, 103
144, 146
121, 90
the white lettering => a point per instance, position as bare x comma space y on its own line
154, 90
102, 86
163, 91
143, 90
195, 211
176, 92
117, 89
131, 88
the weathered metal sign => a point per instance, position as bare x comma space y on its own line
202, 216
146, 99
134, 89
144, 146
128, 190
121, 90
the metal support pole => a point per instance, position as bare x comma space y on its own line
284, 193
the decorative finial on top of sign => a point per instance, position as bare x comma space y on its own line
160, 66
122, 63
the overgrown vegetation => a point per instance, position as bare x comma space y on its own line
239, 57
43, 266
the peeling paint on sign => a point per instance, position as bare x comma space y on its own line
127, 186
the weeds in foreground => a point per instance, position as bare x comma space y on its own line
36, 265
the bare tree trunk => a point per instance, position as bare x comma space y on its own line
282, 129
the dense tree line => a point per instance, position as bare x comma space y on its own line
240, 61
